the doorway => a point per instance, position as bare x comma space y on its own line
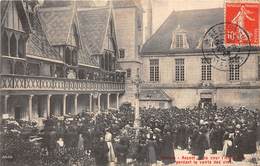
17, 113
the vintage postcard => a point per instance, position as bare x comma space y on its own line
130, 82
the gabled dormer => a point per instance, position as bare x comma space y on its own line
207, 41
72, 46
15, 29
110, 45
179, 38
62, 32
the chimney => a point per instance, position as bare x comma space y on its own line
149, 17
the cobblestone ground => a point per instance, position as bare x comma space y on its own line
183, 158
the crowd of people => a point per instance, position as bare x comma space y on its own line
232, 131
109, 137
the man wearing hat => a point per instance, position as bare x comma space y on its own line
201, 143
237, 145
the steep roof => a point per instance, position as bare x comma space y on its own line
85, 4
86, 59
93, 25
126, 3
4, 5
67, 3
153, 95
38, 44
21, 11
58, 23
57, 3
59, 28
195, 22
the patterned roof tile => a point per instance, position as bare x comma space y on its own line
93, 26
58, 24
38, 44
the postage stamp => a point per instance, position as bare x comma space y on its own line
246, 15
229, 43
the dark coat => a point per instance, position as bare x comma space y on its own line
249, 142
122, 149
141, 154
238, 148
194, 149
100, 153
167, 151
216, 139
50, 140
201, 144
151, 151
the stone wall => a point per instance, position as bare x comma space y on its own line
224, 92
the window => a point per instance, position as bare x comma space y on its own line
154, 70
258, 67
162, 104
13, 33
139, 22
4, 47
206, 69
234, 69
139, 48
179, 69
68, 56
128, 73
13, 46
121, 53
179, 41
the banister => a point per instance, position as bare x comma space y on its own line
26, 82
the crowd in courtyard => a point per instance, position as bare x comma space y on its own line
108, 138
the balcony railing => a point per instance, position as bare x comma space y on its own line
19, 82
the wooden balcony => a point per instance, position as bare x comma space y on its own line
39, 83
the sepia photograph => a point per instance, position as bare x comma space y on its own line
130, 83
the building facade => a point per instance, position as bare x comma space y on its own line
56, 59
129, 29
174, 63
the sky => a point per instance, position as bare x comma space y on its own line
163, 8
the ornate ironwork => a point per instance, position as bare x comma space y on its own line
18, 82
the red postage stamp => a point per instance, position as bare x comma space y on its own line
245, 19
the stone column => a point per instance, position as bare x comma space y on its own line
99, 104
117, 101
137, 113
108, 100
48, 106
64, 104
6, 104
30, 107
76, 104
8, 44
90, 102
17, 37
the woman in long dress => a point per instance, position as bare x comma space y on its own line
167, 152
151, 143
227, 147
111, 153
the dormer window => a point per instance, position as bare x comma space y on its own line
121, 53
179, 38
14, 33
179, 41
70, 56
